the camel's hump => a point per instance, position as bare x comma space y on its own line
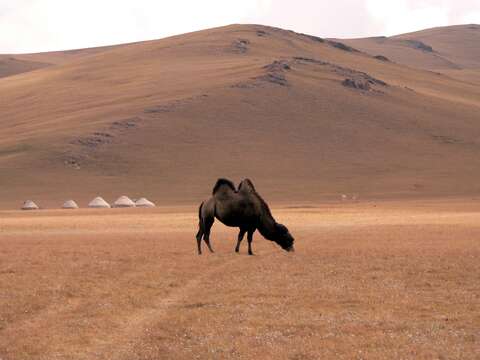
247, 184
223, 182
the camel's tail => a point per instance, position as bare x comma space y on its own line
200, 225
200, 220
200, 215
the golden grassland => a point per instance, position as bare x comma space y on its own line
396, 279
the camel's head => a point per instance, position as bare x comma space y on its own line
284, 238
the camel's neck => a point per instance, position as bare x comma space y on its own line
267, 227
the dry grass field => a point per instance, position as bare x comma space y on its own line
384, 280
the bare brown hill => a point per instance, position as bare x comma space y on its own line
307, 119
452, 50
11, 65
14, 64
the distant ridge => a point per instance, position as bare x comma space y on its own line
442, 48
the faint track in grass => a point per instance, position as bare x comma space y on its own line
139, 322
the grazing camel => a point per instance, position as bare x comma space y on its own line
242, 208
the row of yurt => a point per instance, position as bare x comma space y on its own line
121, 202
98, 203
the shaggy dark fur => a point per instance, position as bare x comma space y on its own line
243, 208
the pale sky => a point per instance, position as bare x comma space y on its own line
44, 25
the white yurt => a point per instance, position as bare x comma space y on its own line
29, 205
123, 202
145, 203
99, 203
70, 204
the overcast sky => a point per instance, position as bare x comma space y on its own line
43, 25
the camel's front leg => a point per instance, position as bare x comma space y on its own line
241, 234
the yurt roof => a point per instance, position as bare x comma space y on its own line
29, 205
124, 201
70, 204
143, 202
98, 202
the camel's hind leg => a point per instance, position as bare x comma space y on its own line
199, 238
208, 222
206, 217
204, 232
250, 239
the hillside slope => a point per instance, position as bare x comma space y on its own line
14, 64
306, 119
11, 65
453, 50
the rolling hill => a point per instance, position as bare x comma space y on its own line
451, 50
306, 118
